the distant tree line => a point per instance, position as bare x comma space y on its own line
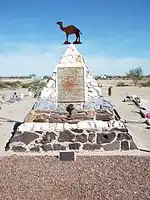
30, 76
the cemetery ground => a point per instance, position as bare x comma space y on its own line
90, 177
127, 110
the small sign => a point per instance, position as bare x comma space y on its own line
67, 156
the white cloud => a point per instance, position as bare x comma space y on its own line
42, 58
112, 65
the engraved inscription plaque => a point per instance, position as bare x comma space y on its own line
70, 84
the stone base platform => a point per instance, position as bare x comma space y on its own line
87, 135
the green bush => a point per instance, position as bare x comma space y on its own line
7, 84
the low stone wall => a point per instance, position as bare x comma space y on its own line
84, 136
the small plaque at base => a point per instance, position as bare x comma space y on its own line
67, 156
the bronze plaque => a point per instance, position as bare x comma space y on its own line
70, 84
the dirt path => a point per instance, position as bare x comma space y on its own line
128, 111
9, 114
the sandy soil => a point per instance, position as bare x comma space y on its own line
11, 113
128, 111
17, 111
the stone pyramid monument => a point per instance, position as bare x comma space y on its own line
90, 92
71, 115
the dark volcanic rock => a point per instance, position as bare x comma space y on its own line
66, 136
35, 149
120, 129
105, 137
17, 124
74, 146
39, 132
81, 138
26, 137
18, 149
46, 147
48, 137
76, 130
91, 137
133, 145
91, 146
122, 136
58, 147
124, 145
113, 146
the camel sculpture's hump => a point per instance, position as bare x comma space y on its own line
71, 58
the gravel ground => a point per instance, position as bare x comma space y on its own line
89, 178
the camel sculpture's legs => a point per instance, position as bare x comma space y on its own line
66, 37
77, 41
66, 42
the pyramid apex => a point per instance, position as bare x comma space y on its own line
71, 58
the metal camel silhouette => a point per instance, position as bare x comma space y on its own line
69, 30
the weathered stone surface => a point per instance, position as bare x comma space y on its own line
81, 138
30, 117
46, 147
124, 145
66, 136
104, 116
74, 146
80, 116
26, 138
74, 121
123, 136
91, 137
91, 147
16, 133
18, 149
48, 137
76, 130
51, 120
41, 118
35, 149
133, 145
113, 146
105, 137
58, 147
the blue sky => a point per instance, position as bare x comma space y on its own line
116, 35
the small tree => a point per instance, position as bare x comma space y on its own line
32, 75
135, 74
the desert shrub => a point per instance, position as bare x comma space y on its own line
135, 74
34, 84
146, 83
7, 84
122, 84
3, 84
